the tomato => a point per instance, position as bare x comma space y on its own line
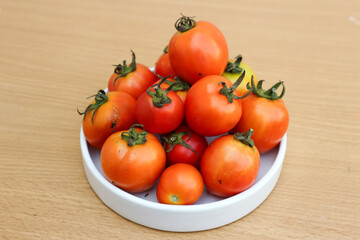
184, 146
163, 66
266, 113
180, 184
212, 107
230, 164
181, 89
160, 111
197, 49
234, 69
107, 114
132, 160
133, 79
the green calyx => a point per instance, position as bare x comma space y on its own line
245, 138
229, 92
123, 70
184, 23
166, 49
176, 138
100, 99
268, 94
234, 67
134, 138
159, 96
180, 84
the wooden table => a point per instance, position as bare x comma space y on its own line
53, 54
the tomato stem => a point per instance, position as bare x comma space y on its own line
100, 99
229, 92
268, 94
245, 137
234, 67
123, 70
134, 138
159, 96
180, 84
176, 138
184, 23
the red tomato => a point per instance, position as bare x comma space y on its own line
162, 66
197, 49
181, 89
132, 160
230, 166
184, 146
107, 114
266, 113
133, 79
180, 184
211, 108
160, 111
234, 69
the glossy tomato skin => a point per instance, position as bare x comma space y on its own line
182, 154
159, 120
117, 114
200, 50
207, 112
229, 167
134, 83
268, 118
247, 78
133, 169
180, 184
163, 66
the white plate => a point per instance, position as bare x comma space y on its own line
209, 212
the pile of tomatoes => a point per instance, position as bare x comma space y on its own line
152, 127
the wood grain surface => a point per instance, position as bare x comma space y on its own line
54, 54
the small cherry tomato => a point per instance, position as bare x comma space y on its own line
133, 79
212, 106
160, 111
163, 66
180, 184
133, 160
181, 88
107, 114
230, 164
266, 113
233, 71
197, 49
184, 146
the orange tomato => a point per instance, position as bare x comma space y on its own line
180, 184
198, 49
133, 79
107, 114
133, 160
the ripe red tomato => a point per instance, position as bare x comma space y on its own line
234, 69
212, 109
132, 160
184, 146
230, 166
180, 184
107, 114
163, 66
197, 49
266, 113
160, 111
181, 89
133, 79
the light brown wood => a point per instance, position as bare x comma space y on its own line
53, 54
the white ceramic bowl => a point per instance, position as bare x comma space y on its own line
209, 212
